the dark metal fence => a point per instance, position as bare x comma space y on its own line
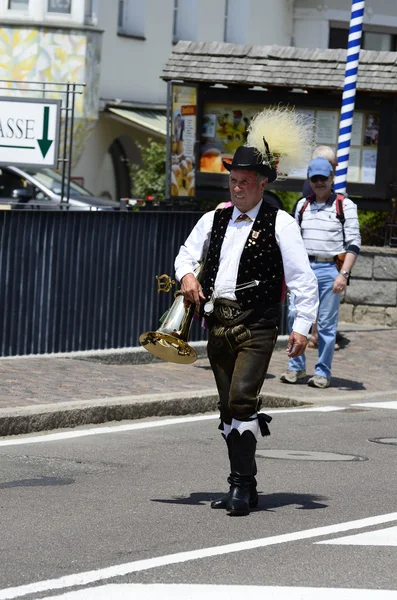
74, 281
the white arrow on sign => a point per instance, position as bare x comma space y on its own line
29, 131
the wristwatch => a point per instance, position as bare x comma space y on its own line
345, 274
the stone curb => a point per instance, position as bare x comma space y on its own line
31, 419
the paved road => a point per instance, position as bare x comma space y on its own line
122, 511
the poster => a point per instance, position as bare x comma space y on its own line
369, 166
183, 137
353, 172
327, 127
209, 126
357, 129
364, 142
371, 132
224, 130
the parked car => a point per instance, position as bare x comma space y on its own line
43, 187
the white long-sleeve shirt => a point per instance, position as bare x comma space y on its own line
299, 277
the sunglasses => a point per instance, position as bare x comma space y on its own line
317, 178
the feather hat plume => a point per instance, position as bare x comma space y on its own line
283, 138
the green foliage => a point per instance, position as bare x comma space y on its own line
372, 227
149, 178
289, 199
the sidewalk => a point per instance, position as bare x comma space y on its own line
39, 393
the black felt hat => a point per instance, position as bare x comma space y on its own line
250, 159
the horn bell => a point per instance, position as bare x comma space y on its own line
169, 342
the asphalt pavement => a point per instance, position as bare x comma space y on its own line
38, 393
128, 505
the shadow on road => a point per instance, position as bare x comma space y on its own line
266, 501
302, 501
347, 384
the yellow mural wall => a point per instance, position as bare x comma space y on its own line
49, 55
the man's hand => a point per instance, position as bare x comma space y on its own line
340, 284
191, 290
296, 344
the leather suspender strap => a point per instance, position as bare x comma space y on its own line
304, 207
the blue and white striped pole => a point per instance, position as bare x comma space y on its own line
349, 93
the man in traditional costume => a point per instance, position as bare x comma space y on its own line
251, 252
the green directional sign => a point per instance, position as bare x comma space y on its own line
29, 131
45, 143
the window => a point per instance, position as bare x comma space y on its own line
18, 4
59, 6
371, 40
9, 182
379, 41
338, 38
91, 11
131, 18
236, 22
186, 16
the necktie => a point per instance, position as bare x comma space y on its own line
242, 217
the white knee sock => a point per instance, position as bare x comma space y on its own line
226, 429
252, 425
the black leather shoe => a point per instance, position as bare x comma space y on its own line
223, 500
220, 502
238, 504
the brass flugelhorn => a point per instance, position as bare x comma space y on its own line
169, 341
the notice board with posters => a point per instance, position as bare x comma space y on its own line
207, 123
224, 128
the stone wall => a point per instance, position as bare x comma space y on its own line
371, 297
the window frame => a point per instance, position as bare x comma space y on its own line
175, 21
226, 37
91, 12
175, 36
377, 30
15, 12
61, 12
18, 10
393, 40
123, 30
225, 18
77, 12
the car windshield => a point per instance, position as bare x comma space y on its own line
53, 180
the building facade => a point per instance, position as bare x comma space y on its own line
52, 41
119, 47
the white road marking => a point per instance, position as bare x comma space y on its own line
67, 435
389, 404
381, 537
72, 434
98, 575
141, 591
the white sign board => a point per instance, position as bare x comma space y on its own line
29, 131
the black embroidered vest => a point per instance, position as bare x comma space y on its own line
260, 260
